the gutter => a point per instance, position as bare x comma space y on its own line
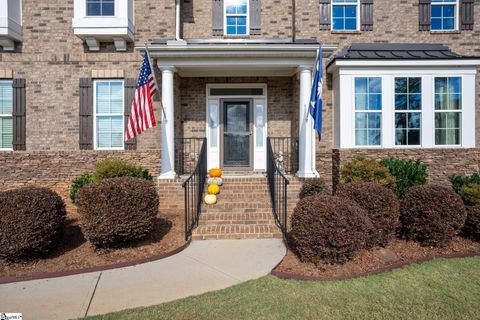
177, 20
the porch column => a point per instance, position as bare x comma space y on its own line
168, 139
306, 163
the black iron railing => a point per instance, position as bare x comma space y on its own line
278, 184
193, 188
285, 151
187, 151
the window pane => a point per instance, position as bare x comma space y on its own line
350, 11
436, 11
455, 85
375, 85
338, 24
108, 9
448, 11
117, 132
400, 137
360, 85
436, 24
361, 120
242, 21
350, 24
415, 102
400, 120
414, 120
93, 9
6, 133
375, 102
448, 24
413, 137
448, 93
337, 11
401, 85
447, 120
361, 102
374, 138
447, 136
401, 102
6, 97
414, 85
361, 137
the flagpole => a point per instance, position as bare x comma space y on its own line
155, 79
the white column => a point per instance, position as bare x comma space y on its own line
168, 139
306, 165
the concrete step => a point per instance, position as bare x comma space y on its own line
236, 231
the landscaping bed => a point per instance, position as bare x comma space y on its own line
396, 254
75, 252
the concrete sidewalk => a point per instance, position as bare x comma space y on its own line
204, 266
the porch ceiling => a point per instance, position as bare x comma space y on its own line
235, 59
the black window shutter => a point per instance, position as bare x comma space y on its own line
325, 15
19, 114
130, 86
217, 17
366, 15
86, 114
424, 14
255, 17
467, 14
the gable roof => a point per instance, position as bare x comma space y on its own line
396, 51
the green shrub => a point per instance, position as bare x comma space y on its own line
471, 228
362, 169
117, 211
329, 228
458, 182
408, 173
431, 214
112, 168
470, 194
32, 220
81, 181
311, 187
106, 169
382, 206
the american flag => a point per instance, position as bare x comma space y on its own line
141, 115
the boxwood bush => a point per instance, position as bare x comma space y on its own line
329, 228
32, 220
431, 214
470, 194
381, 205
117, 211
407, 173
471, 228
108, 168
361, 169
458, 182
311, 187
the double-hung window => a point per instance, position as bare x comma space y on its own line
345, 15
236, 17
109, 114
100, 7
6, 118
408, 108
448, 110
444, 15
368, 111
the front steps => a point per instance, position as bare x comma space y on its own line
243, 211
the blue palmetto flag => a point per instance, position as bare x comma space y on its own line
316, 95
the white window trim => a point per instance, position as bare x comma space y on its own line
344, 105
457, 14
357, 4
95, 114
367, 111
7, 115
115, 5
449, 111
395, 111
247, 15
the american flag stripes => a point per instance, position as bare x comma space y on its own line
141, 115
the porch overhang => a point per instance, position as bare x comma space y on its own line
235, 58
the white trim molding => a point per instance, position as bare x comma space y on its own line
11, 29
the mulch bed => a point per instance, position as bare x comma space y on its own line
396, 254
75, 252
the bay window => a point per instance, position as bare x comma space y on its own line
345, 15
368, 111
109, 114
6, 117
408, 106
448, 108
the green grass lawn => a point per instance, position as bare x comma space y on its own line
439, 289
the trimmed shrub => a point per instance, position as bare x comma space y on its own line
382, 206
458, 182
112, 168
117, 211
312, 187
470, 194
329, 228
431, 214
32, 220
362, 169
471, 229
78, 183
408, 173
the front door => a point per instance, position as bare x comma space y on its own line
237, 135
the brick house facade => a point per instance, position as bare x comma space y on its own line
55, 51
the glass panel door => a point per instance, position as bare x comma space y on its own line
236, 134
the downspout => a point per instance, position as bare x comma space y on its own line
177, 20
294, 31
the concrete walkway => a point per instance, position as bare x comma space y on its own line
204, 266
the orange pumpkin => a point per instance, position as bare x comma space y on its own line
215, 172
213, 189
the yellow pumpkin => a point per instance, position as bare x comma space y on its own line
210, 199
217, 181
215, 172
213, 189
